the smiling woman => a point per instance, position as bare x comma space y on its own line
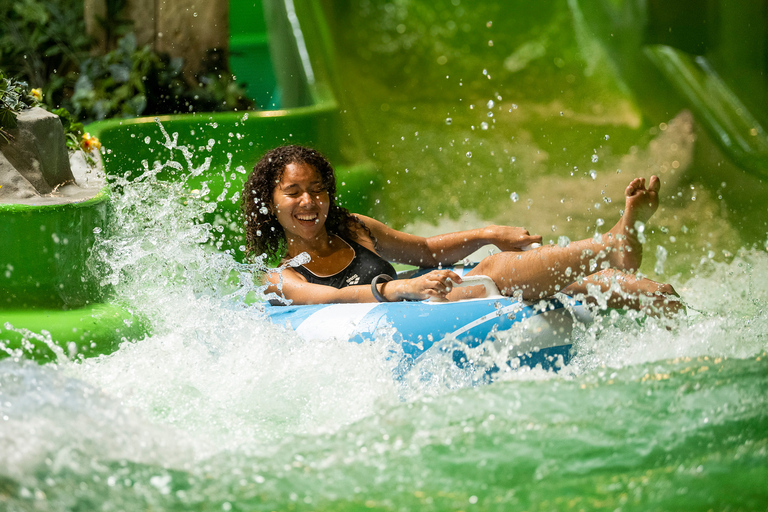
290, 209
264, 232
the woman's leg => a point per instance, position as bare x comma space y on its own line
619, 290
543, 272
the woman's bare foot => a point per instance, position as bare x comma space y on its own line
640, 205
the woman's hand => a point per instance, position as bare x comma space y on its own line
508, 238
434, 285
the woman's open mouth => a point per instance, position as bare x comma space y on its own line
306, 217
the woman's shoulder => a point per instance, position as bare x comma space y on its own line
360, 231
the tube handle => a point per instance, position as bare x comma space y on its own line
491, 290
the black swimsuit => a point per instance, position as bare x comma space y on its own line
361, 270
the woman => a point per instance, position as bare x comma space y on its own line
290, 208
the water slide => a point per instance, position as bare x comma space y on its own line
708, 57
283, 53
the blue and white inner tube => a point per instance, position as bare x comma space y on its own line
531, 333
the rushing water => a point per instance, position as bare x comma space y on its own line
220, 410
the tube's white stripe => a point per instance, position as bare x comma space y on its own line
334, 321
490, 316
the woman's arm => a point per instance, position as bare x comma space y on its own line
434, 285
444, 249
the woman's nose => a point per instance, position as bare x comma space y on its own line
306, 198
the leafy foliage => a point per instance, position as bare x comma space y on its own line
43, 42
73, 130
131, 81
14, 97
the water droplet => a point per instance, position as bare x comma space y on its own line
489, 24
194, 14
96, 230
469, 154
640, 230
512, 160
514, 197
661, 258
600, 222
490, 104
607, 137
594, 158
563, 241
448, 120
490, 114
593, 174
485, 71
484, 125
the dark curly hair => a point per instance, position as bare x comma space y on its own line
263, 233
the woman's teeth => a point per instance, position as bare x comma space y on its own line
307, 217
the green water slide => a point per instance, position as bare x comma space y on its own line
281, 52
710, 57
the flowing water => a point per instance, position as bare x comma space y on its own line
218, 409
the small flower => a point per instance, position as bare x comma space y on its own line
89, 143
37, 94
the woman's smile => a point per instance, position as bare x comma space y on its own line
307, 217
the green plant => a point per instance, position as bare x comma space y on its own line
114, 84
73, 130
43, 42
14, 97
131, 80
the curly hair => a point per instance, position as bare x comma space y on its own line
263, 233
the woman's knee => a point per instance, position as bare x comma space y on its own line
667, 289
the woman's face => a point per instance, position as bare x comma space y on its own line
300, 202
